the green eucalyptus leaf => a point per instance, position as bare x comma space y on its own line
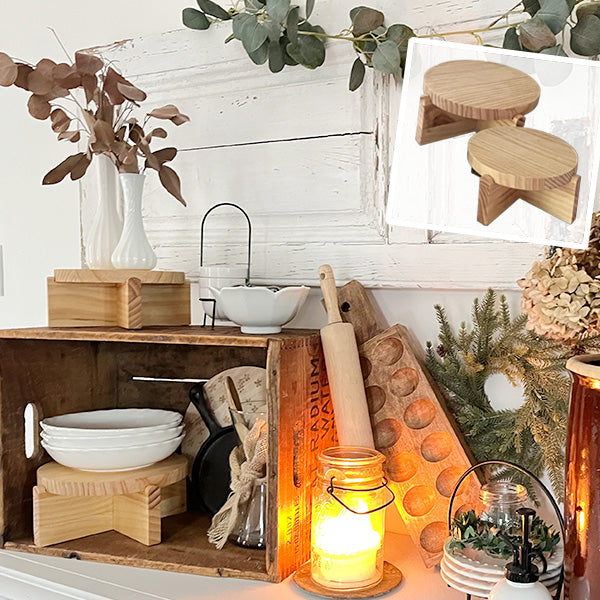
593, 8
213, 9
283, 42
261, 54
366, 47
240, 22
310, 5
309, 50
535, 35
531, 6
511, 39
585, 36
254, 35
254, 6
357, 75
292, 24
229, 38
386, 57
400, 34
554, 13
273, 30
278, 10
276, 57
355, 11
194, 19
366, 20
554, 51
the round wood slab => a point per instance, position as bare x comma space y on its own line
392, 577
521, 158
475, 89
64, 481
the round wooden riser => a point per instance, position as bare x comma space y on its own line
463, 96
526, 164
69, 504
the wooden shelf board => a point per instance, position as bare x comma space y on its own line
192, 335
185, 549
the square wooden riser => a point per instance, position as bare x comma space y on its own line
63, 370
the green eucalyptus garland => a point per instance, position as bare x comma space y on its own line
480, 534
279, 33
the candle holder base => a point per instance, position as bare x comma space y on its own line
392, 577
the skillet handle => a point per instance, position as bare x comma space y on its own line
198, 400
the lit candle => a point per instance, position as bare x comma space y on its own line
345, 550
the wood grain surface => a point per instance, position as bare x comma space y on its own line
425, 456
117, 276
481, 90
64, 481
522, 158
195, 335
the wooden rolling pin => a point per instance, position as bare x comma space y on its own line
343, 371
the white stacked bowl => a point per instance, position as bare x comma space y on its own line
112, 440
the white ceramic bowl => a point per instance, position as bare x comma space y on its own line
105, 460
136, 438
111, 422
259, 309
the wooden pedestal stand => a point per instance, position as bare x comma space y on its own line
70, 504
463, 96
524, 163
126, 298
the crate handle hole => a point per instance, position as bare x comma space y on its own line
32, 439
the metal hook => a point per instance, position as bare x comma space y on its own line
249, 235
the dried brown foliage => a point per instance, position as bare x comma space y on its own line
103, 101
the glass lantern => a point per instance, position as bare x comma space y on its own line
348, 518
501, 500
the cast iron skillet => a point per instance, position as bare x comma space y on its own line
211, 474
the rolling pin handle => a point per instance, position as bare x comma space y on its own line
329, 294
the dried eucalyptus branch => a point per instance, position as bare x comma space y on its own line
275, 31
105, 115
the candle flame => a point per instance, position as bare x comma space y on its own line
346, 533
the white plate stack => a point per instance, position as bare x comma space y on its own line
476, 573
112, 440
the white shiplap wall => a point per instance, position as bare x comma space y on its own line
307, 159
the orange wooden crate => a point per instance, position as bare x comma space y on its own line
66, 370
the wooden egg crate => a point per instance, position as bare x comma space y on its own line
58, 371
425, 457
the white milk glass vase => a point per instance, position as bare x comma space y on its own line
133, 250
105, 230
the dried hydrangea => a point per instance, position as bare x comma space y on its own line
561, 294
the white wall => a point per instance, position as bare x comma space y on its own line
39, 226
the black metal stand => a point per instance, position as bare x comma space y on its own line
506, 463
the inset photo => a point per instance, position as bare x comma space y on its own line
497, 143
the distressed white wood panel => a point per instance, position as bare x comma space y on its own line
444, 266
308, 159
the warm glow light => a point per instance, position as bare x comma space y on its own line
345, 547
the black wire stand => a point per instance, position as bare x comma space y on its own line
506, 463
248, 262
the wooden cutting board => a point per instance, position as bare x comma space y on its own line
251, 387
425, 454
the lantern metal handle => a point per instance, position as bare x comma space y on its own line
507, 463
331, 487
249, 235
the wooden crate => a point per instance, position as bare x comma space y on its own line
131, 299
65, 370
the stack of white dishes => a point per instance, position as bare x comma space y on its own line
473, 572
121, 439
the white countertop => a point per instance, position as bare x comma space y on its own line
33, 577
